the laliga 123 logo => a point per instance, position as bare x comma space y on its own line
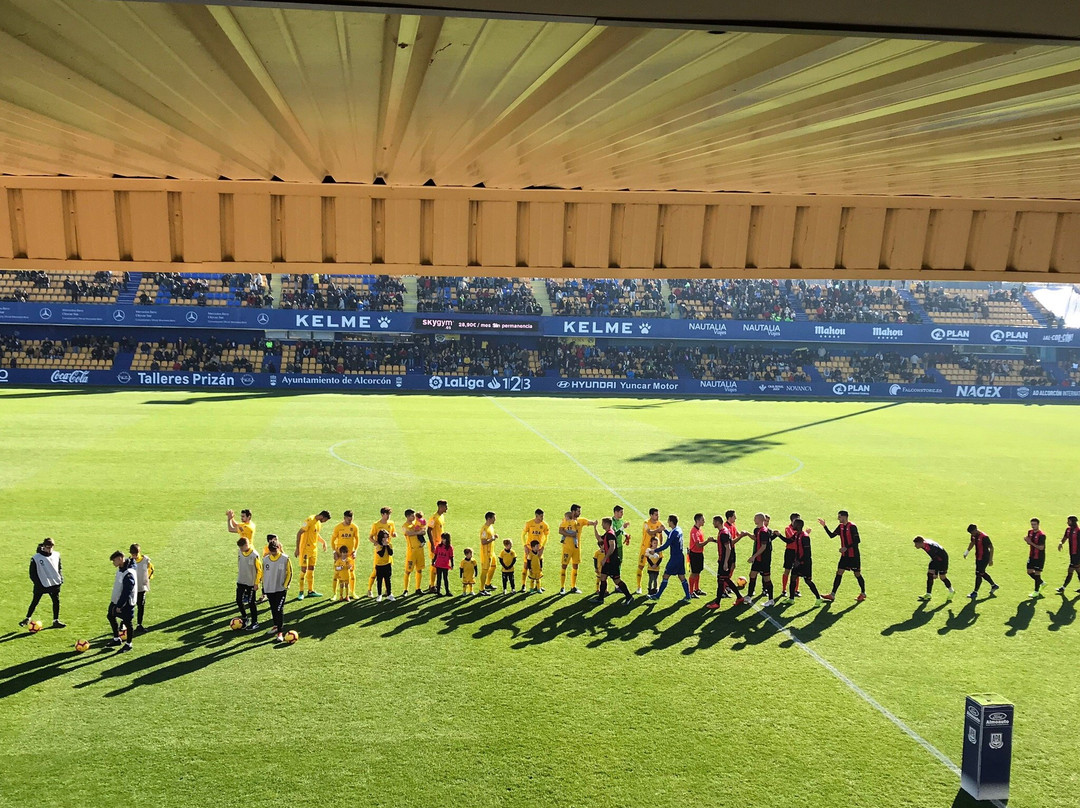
435, 383
494, 384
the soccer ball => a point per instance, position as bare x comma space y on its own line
741, 581
291, 637
34, 626
236, 623
82, 645
124, 634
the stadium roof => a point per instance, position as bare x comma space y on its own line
968, 116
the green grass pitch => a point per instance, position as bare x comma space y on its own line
539, 700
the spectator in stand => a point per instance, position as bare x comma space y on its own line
853, 302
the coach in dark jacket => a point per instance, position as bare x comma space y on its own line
47, 577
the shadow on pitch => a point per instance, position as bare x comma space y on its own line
919, 618
1064, 616
965, 800
1025, 611
715, 451
958, 621
215, 398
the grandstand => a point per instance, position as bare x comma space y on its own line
197, 354
956, 304
342, 292
867, 368
734, 299
203, 289
600, 297
854, 302
437, 293
754, 364
972, 370
37, 286
48, 353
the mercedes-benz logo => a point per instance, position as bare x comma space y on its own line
123, 377
263, 319
192, 316
118, 315
45, 313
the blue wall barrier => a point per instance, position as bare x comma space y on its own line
493, 324
517, 385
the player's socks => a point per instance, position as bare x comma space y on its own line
573, 578
767, 588
813, 589
836, 582
311, 580
750, 589
562, 579
862, 583
947, 582
1068, 578
784, 584
929, 584
623, 588
686, 588
663, 586
639, 572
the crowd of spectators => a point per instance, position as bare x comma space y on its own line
852, 302
88, 346
625, 297
938, 298
100, 285
735, 299
988, 371
246, 288
753, 363
480, 295
879, 366
619, 361
477, 356
343, 293
193, 354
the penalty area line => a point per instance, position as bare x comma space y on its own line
780, 627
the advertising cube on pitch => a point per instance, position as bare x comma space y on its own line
988, 728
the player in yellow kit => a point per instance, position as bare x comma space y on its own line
468, 573
653, 528
348, 534
246, 529
343, 573
536, 567
535, 529
384, 523
487, 552
436, 527
415, 540
307, 550
570, 530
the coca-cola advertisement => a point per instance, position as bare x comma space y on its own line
70, 377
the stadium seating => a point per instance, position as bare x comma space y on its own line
422, 354
738, 299
37, 286
342, 292
747, 363
203, 289
586, 297
474, 294
605, 361
970, 370
958, 305
198, 355
74, 353
867, 368
853, 302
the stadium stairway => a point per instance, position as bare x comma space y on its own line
1034, 310
122, 361
128, 298
539, 290
409, 298
665, 294
916, 306
796, 308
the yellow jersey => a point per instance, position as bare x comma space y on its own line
388, 526
536, 567
487, 533
347, 535
569, 524
646, 537
382, 559
247, 531
342, 568
507, 559
311, 537
437, 526
413, 543
654, 560
468, 570
534, 532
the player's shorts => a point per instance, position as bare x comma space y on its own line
1036, 563
642, 560
791, 558
676, 565
611, 569
308, 556
1074, 559
571, 554
803, 569
697, 562
850, 562
761, 567
725, 574
980, 566
940, 567
417, 558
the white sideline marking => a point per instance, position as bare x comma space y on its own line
780, 627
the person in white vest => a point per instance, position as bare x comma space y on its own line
144, 571
249, 573
47, 576
277, 575
122, 605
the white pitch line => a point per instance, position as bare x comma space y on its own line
780, 627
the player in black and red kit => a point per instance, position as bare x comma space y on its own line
791, 553
850, 556
804, 562
726, 536
1036, 542
1072, 536
939, 566
761, 560
984, 557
